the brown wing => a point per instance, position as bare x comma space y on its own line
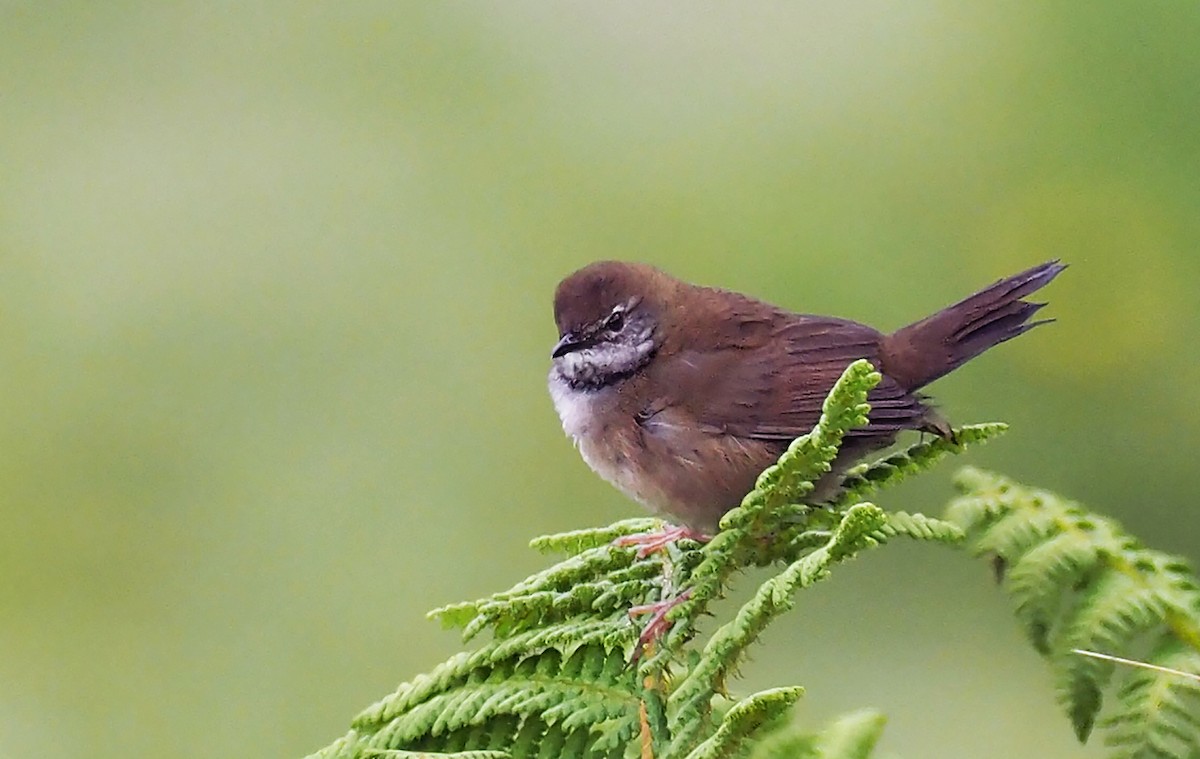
769, 378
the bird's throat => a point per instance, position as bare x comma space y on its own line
601, 365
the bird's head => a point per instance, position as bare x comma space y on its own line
608, 317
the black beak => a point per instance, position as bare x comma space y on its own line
569, 343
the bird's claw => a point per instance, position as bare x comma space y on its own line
658, 625
652, 542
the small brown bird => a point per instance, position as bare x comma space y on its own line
679, 395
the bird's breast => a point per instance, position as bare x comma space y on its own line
601, 431
663, 461
594, 421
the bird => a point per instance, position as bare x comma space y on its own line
680, 394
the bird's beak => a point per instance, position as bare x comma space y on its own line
568, 343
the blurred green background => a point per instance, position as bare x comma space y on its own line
275, 288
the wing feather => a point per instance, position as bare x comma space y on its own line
773, 389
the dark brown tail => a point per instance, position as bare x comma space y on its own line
920, 353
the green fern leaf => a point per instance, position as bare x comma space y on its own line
866, 479
742, 722
984, 498
852, 737
1079, 582
1159, 713
728, 644
786, 744
1112, 612
554, 678
919, 527
1037, 583
578, 541
1010, 536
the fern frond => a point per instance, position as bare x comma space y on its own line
347, 747
1159, 714
595, 581
728, 644
590, 693
578, 541
741, 723
866, 479
554, 677
919, 527
852, 736
786, 744
1080, 582
1036, 582
1111, 613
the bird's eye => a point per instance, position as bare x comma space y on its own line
615, 321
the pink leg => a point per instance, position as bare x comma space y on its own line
658, 624
650, 542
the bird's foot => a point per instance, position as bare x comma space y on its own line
651, 542
658, 624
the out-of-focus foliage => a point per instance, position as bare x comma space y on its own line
267, 274
1081, 583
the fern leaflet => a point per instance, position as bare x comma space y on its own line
1080, 582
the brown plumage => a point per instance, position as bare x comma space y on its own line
680, 395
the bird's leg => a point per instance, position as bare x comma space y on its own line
651, 542
648, 543
658, 624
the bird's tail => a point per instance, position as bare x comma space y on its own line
937, 345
